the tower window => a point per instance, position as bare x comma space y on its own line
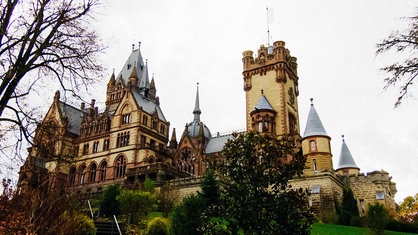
314, 165
292, 124
312, 145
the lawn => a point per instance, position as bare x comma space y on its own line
332, 229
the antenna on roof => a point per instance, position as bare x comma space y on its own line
269, 13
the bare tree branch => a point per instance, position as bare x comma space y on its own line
406, 71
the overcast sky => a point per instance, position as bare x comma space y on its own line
190, 41
193, 41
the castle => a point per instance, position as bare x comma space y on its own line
82, 150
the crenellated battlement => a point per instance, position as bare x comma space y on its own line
270, 55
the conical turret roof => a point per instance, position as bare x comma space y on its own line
314, 125
346, 160
263, 103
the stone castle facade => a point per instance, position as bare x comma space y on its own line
82, 150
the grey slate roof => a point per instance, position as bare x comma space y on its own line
134, 60
148, 105
346, 160
74, 116
263, 104
314, 125
216, 144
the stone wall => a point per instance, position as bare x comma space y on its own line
373, 187
326, 192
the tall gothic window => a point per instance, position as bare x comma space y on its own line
120, 167
82, 173
93, 169
71, 176
102, 175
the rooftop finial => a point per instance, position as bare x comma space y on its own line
342, 136
133, 47
262, 92
311, 101
196, 110
139, 44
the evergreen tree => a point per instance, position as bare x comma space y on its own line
349, 214
109, 206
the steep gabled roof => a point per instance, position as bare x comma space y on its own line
314, 125
148, 105
346, 160
74, 116
134, 60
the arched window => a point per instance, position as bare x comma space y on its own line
102, 176
82, 172
92, 176
120, 167
71, 176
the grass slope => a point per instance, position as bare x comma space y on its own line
332, 229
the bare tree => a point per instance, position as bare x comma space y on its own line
41, 42
406, 71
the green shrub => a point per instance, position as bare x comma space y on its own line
137, 204
377, 217
157, 226
77, 223
187, 215
398, 226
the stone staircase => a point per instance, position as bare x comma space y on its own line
108, 228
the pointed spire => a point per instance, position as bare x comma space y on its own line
57, 97
173, 141
346, 159
134, 73
196, 110
314, 125
152, 90
112, 80
133, 77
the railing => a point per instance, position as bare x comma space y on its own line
117, 224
